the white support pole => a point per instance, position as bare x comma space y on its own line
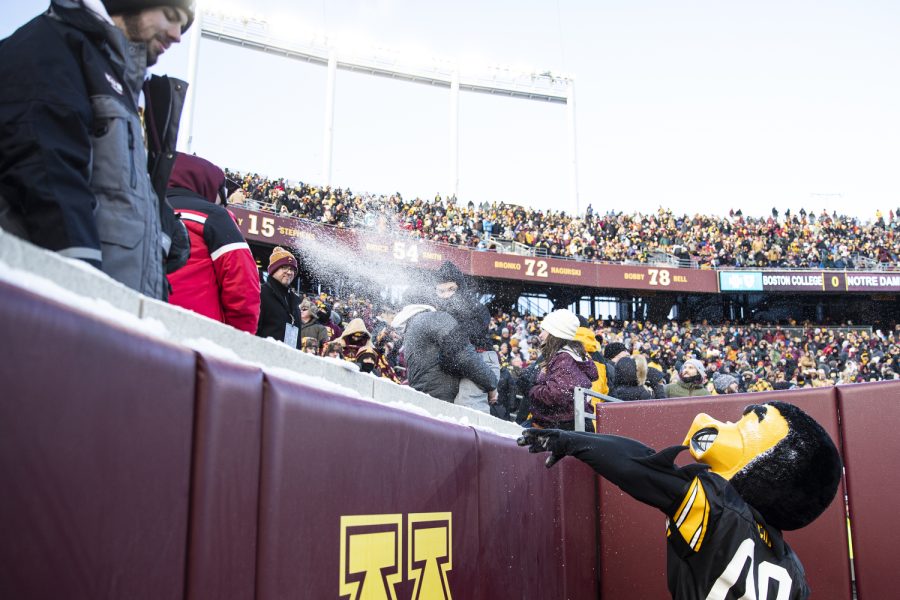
186, 139
454, 134
573, 148
579, 408
328, 141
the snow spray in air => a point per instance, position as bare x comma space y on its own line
377, 256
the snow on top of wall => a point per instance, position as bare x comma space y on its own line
96, 307
210, 348
315, 381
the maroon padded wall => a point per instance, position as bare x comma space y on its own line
134, 469
325, 457
522, 506
870, 417
514, 528
225, 485
632, 535
95, 456
112, 488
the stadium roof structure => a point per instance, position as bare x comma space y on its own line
257, 34
254, 34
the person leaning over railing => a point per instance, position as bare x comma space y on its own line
438, 355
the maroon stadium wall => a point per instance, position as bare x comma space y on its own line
133, 468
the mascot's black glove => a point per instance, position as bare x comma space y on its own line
554, 441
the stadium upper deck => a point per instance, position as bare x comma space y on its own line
781, 241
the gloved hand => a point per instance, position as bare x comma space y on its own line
554, 441
176, 244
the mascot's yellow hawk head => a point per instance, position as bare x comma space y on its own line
780, 460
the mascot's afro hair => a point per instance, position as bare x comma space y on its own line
794, 482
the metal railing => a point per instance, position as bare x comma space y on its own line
522, 249
580, 415
801, 331
659, 257
866, 262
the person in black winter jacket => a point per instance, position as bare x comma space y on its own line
631, 373
508, 390
75, 174
279, 312
453, 295
656, 382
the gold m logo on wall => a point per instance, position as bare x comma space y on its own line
372, 550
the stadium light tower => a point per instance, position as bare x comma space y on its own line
255, 34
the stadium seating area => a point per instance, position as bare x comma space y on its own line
760, 356
784, 240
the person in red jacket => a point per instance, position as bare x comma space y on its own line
220, 279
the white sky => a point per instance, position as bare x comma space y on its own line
699, 106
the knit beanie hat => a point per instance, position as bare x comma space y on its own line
124, 7
197, 175
697, 365
450, 272
722, 381
281, 258
613, 349
562, 323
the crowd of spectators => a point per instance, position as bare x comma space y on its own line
728, 358
632, 360
760, 357
804, 239
641, 359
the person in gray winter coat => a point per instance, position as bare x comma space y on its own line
437, 356
453, 295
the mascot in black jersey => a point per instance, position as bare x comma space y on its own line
775, 469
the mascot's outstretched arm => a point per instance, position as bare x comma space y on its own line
640, 471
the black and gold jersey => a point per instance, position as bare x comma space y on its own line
719, 547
